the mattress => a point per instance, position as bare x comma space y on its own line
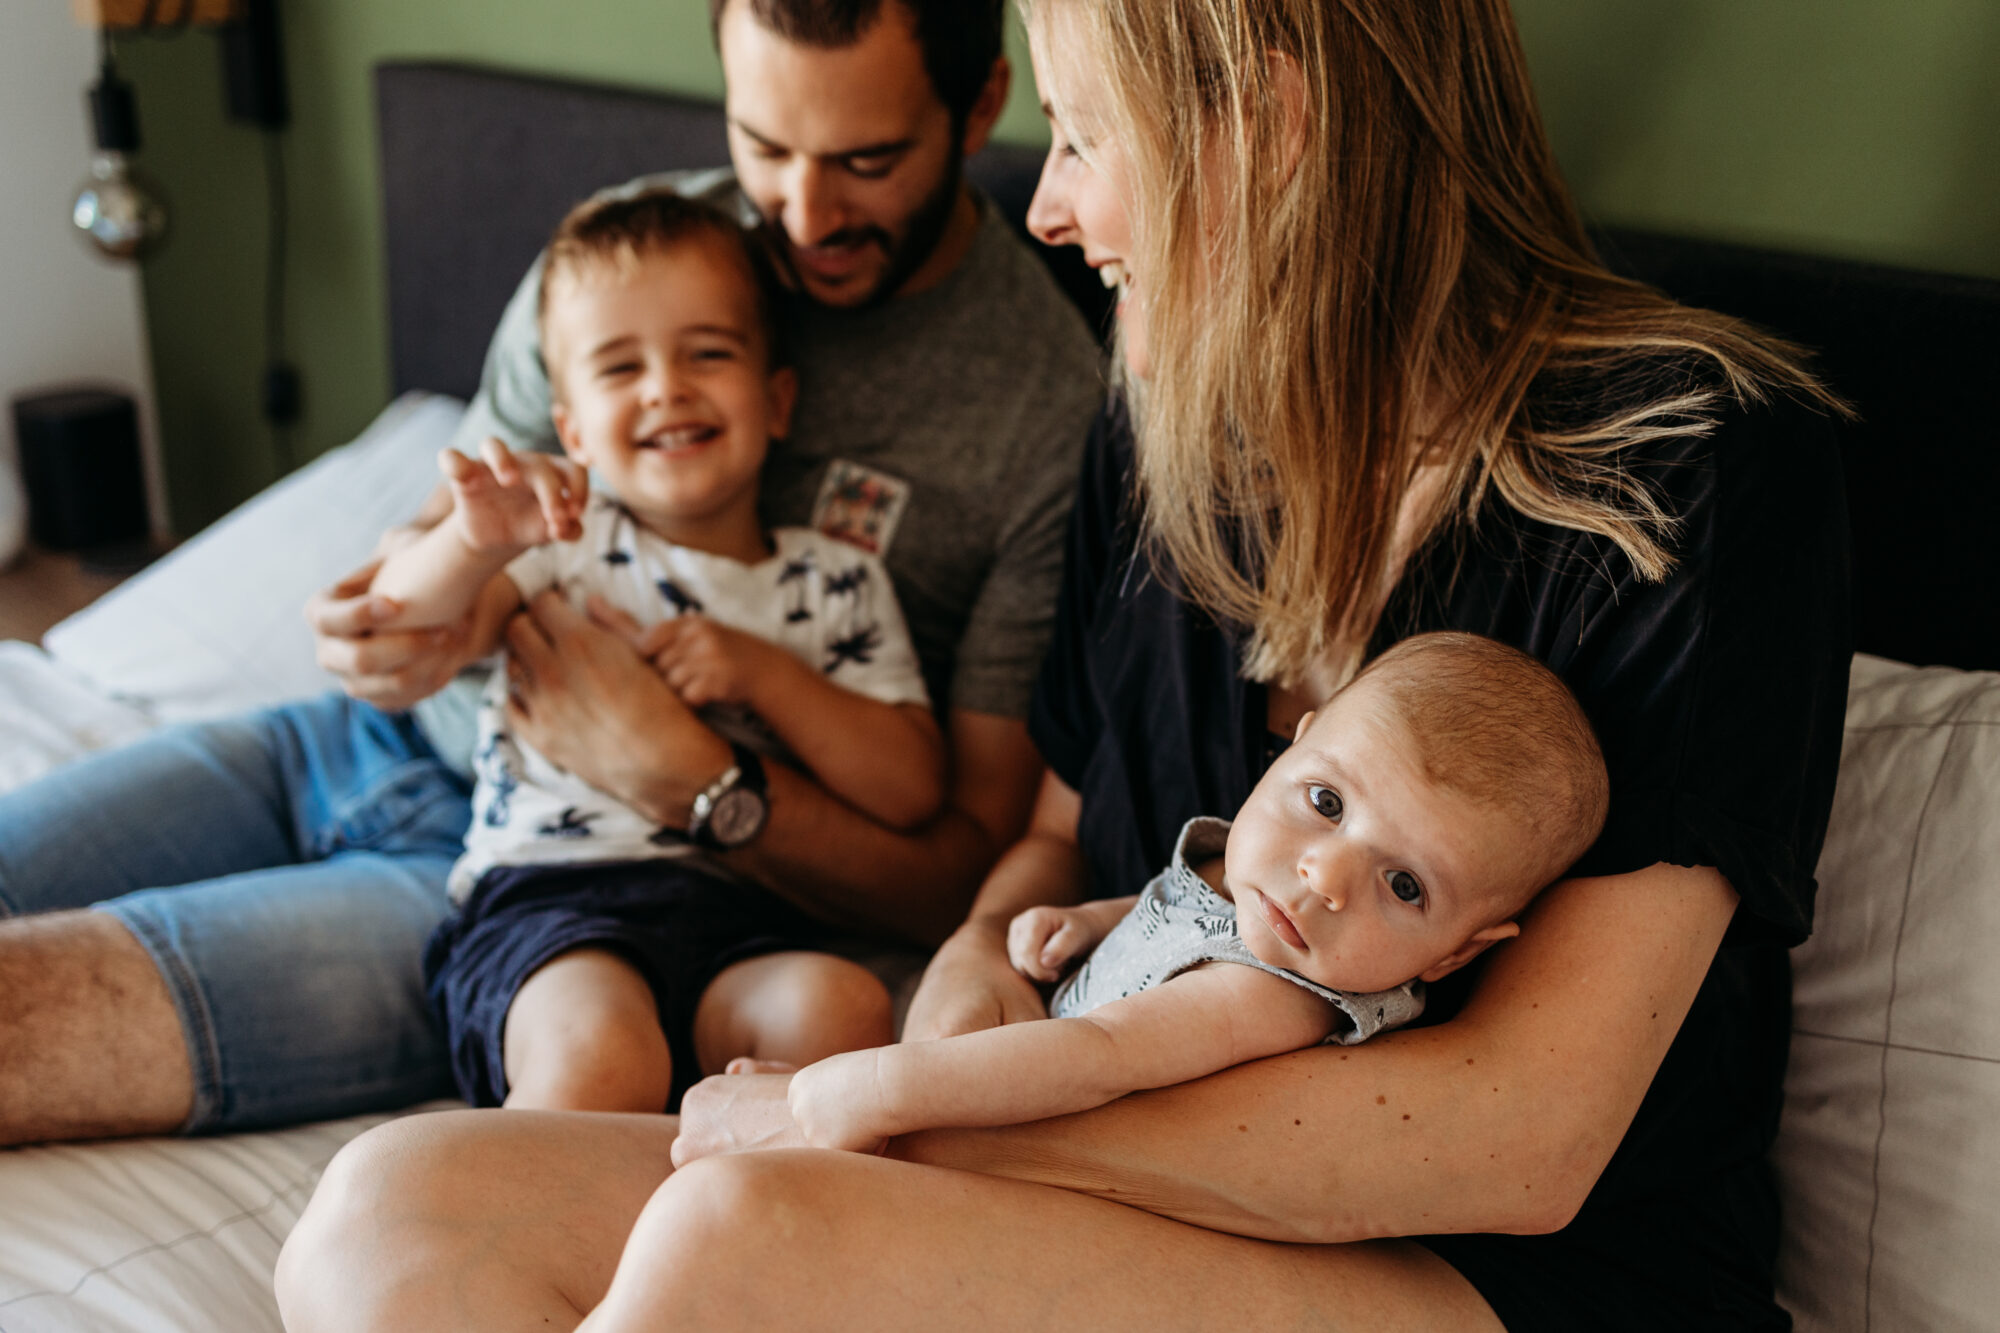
172, 1235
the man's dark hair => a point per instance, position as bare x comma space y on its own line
960, 38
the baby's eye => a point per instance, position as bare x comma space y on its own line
1326, 801
617, 369
1407, 887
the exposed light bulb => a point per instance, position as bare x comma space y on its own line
118, 209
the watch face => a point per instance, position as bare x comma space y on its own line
738, 816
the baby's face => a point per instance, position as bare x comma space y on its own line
1351, 869
663, 380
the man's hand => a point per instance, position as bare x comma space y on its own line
504, 500
1043, 941
835, 1103
736, 1113
588, 702
969, 986
355, 640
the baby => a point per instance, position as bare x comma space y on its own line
598, 960
1410, 821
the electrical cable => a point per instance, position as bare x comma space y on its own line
280, 387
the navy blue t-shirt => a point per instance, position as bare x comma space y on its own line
1717, 694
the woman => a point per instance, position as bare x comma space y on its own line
1379, 387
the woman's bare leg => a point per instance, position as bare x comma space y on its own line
488, 1220
838, 1241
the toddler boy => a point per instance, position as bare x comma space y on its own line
1410, 821
599, 961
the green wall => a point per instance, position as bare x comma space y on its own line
1863, 128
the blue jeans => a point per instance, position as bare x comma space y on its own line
284, 870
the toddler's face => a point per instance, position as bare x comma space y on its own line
663, 380
1351, 869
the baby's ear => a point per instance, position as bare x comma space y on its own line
1304, 722
1480, 942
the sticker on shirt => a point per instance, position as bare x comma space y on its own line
860, 506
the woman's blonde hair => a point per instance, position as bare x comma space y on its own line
1366, 284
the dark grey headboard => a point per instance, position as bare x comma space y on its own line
478, 166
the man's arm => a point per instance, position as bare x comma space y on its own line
885, 759
583, 681
1203, 1020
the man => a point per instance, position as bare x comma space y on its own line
280, 981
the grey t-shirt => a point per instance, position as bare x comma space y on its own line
942, 430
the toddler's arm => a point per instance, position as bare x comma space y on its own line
1215, 1016
886, 760
501, 506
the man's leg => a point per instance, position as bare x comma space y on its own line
140, 1020
90, 1041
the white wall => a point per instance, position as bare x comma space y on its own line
65, 315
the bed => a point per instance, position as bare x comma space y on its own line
1889, 1153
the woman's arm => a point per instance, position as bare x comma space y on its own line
970, 983
1499, 1120
1203, 1020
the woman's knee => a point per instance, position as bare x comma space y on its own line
705, 1236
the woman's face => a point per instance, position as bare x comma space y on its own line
1084, 198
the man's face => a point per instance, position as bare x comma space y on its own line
847, 151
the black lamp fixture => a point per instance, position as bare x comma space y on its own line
119, 210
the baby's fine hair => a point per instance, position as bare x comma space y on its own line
1494, 725
618, 230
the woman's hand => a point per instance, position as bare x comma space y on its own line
970, 985
733, 1113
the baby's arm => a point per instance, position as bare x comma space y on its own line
500, 508
886, 760
1211, 1018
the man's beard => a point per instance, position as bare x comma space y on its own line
919, 242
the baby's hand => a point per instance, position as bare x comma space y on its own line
514, 500
833, 1103
707, 663
1042, 941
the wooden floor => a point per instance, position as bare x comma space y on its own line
42, 587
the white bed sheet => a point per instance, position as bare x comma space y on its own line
181, 1235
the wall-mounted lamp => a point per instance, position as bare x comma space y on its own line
118, 209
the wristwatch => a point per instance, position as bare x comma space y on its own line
731, 810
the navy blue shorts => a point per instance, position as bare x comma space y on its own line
680, 926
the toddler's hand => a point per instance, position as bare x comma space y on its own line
832, 1103
707, 663
504, 499
1042, 941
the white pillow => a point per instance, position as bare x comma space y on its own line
217, 626
1889, 1154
